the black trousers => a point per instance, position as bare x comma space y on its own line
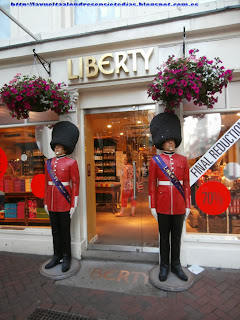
170, 225
60, 223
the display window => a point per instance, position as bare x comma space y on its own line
201, 134
23, 205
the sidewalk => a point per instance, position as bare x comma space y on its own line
215, 294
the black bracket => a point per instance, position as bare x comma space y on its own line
43, 62
184, 42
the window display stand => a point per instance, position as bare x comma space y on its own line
26, 220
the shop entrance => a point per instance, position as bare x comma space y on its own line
111, 137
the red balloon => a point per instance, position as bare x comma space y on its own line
38, 185
213, 198
3, 163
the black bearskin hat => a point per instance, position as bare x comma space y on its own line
165, 126
66, 134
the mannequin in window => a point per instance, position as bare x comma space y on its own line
127, 191
60, 199
169, 191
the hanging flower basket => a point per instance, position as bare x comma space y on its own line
191, 78
25, 94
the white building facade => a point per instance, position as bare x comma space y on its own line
107, 58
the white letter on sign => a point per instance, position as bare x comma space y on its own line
90, 62
134, 57
146, 57
121, 64
106, 63
70, 72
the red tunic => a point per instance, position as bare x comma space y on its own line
66, 169
164, 196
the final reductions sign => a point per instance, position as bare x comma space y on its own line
215, 152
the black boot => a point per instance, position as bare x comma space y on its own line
55, 261
66, 264
164, 269
177, 269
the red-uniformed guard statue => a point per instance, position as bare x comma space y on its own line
61, 191
169, 191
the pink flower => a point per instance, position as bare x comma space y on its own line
13, 90
19, 98
7, 93
55, 103
47, 87
27, 105
13, 80
183, 82
180, 92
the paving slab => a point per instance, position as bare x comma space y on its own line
215, 293
131, 278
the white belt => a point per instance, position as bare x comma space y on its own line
167, 183
50, 183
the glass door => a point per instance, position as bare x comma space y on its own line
111, 139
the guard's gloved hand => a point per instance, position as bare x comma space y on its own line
154, 213
46, 208
187, 213
153, 210
73, 208
71, 212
